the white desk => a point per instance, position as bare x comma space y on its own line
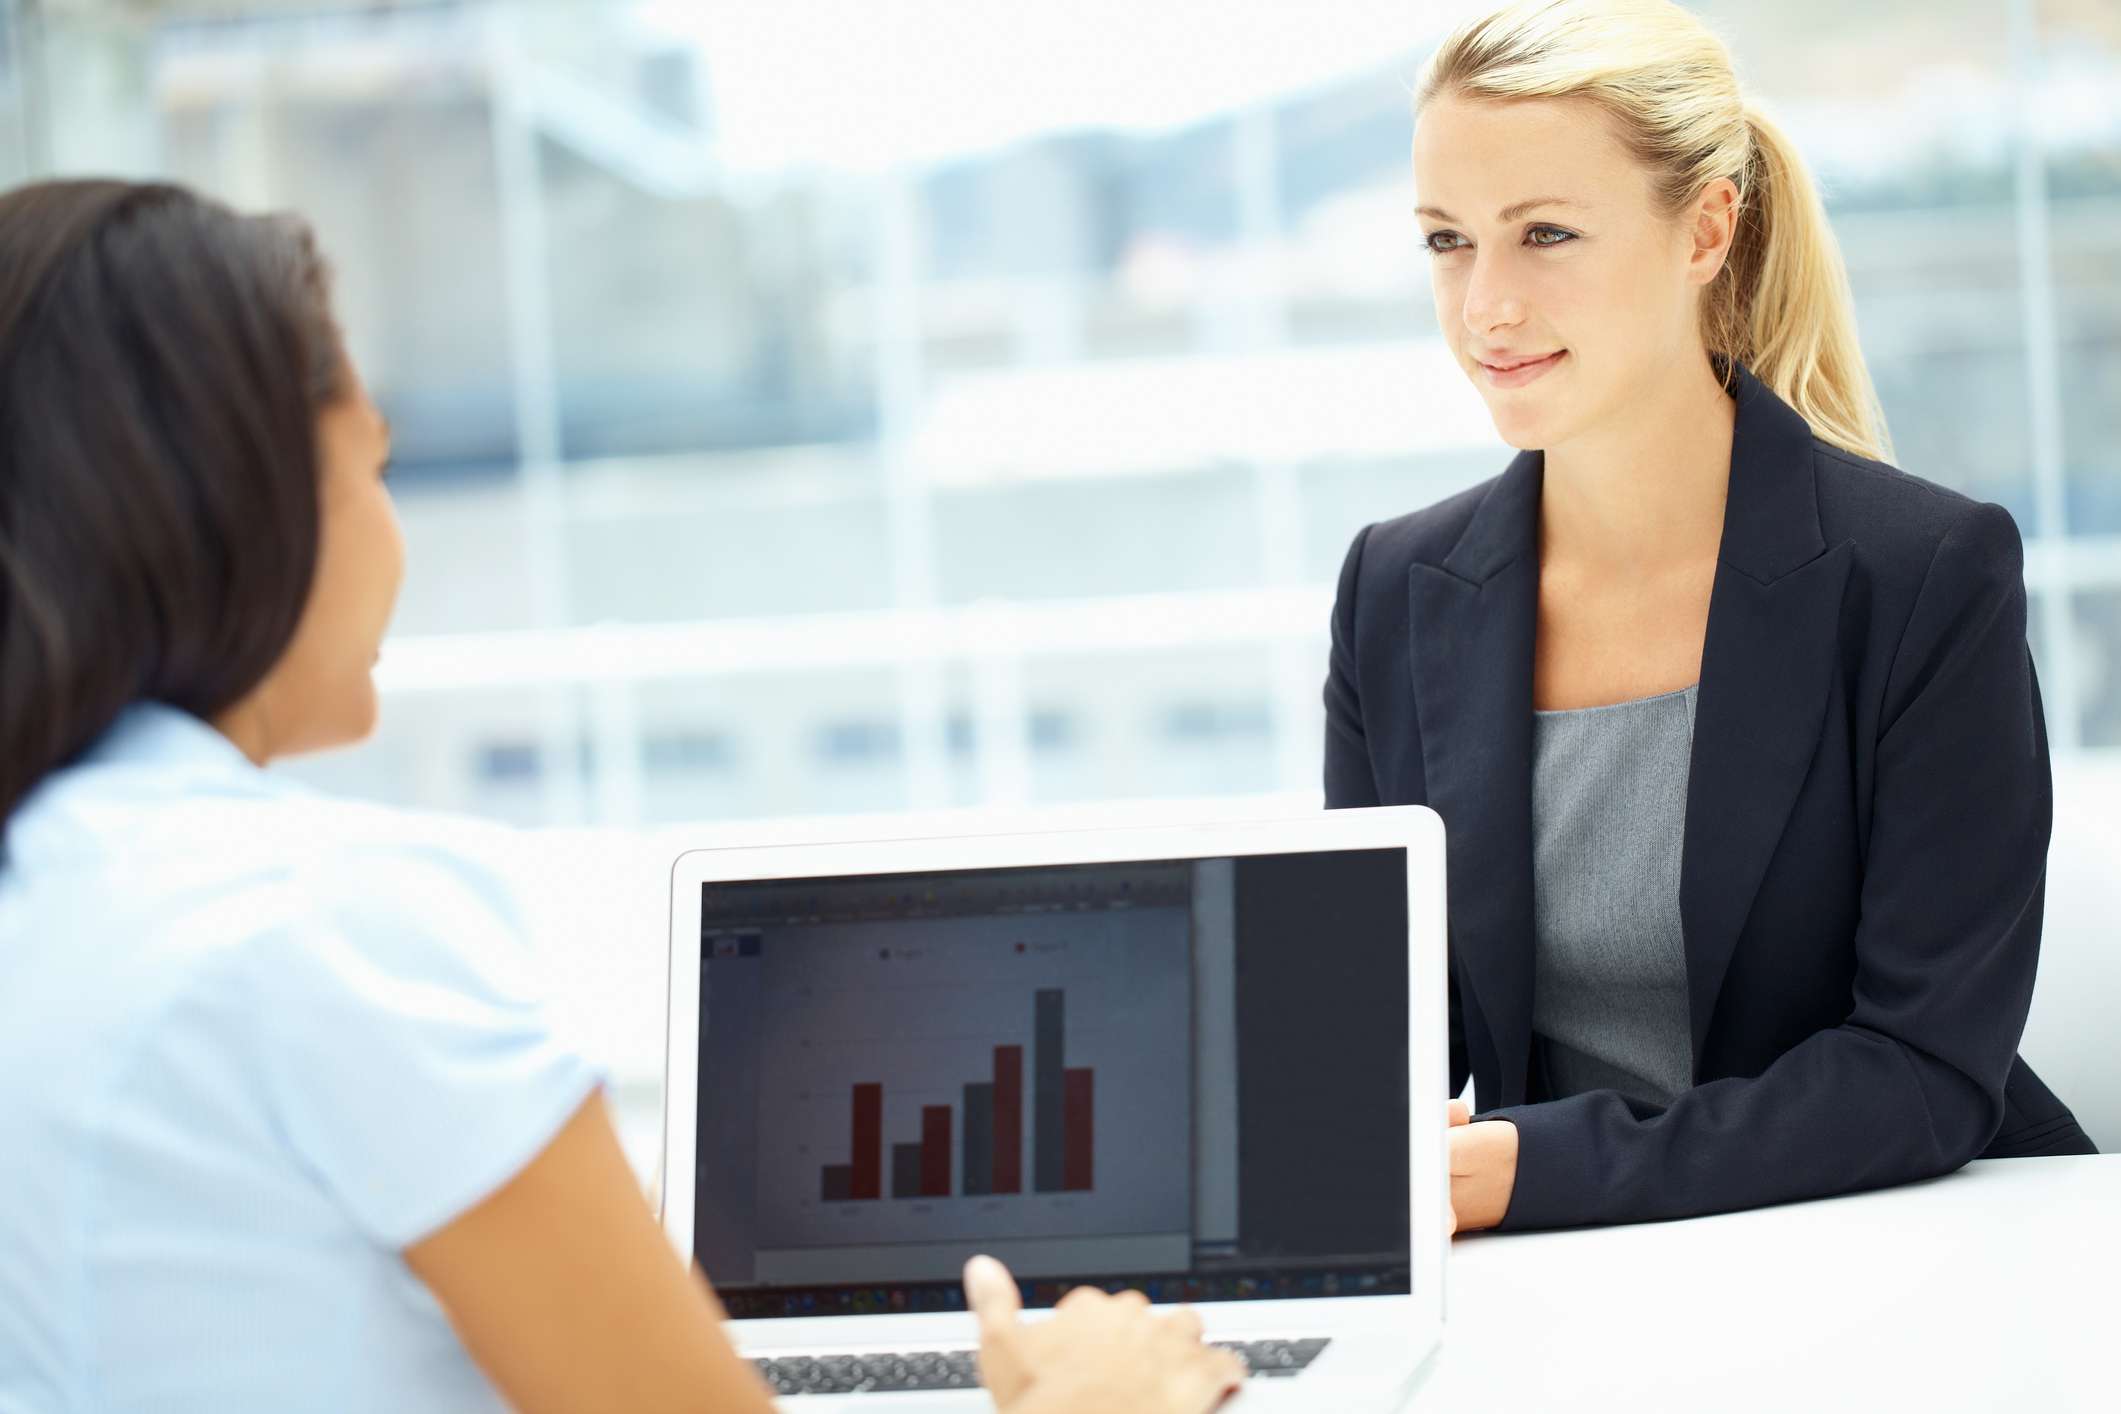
1994, 1288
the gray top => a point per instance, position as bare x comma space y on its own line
1609, 998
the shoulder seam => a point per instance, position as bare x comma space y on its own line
1886, 471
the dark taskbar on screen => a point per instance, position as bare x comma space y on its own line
1284, 1284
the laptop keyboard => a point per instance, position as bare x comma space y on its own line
1274, 1359
922, 1370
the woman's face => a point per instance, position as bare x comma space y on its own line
320, 694
1546, 254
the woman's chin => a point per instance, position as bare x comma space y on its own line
1526, 434
351, 720
1529, 429
365, 711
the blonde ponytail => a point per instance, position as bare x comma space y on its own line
1781, 305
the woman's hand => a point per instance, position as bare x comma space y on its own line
1098, 1354
1483, 1169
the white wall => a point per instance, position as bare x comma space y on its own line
2073, 1038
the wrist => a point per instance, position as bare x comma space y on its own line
1506, 1166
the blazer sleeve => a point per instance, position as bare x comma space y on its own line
1350, 778
1911, 1084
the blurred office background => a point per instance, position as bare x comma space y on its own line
819, 406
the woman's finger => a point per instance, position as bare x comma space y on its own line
1202, 1385
991, 1293
1081, 1296
1004, 1367
1185, 1322
1461, 1113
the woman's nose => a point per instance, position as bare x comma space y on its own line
1491, 301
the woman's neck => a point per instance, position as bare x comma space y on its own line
245, 724
1648, 491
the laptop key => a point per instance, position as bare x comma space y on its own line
1275, 1359
895, 1372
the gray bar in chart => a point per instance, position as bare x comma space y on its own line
979, 1139
905, 1170
1048, 1130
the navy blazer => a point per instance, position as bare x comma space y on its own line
1866, 835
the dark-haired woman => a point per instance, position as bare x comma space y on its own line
281, 1124
1731, 724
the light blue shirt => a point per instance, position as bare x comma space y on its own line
253, 1043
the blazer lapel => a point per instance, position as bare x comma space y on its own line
1472, 620
1774, 620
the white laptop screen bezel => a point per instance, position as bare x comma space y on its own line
1417, 830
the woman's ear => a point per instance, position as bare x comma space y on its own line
1715, 227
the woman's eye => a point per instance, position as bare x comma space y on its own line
1446, 242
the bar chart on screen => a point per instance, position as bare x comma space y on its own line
991, 1119
1022, 1075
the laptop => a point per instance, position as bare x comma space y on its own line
1205, 1061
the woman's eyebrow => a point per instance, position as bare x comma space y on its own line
1508, 213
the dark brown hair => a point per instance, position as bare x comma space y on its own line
162, 364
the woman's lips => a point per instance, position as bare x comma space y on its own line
1521, 373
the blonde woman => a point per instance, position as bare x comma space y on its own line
1731, 722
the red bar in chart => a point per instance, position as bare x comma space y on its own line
1077, 1095
868, 1152
1008, 1119
935, 1151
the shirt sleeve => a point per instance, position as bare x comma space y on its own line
411, 1058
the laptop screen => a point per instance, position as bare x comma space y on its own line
1188, 1076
